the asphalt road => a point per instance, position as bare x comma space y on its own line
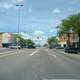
39, 64
5, 50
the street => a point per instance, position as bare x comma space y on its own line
39, 64
5, 50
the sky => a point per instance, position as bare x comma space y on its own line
35, 15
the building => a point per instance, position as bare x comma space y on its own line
0, 40
62, 40
5, 39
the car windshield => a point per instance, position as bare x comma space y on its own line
35, 39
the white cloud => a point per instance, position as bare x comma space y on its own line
38, 33
9, 3
56, 11
51, 30
25, 35
6, 5
19, 1
30, 10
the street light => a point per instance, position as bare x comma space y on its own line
19, 8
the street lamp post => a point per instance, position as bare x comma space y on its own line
19, 7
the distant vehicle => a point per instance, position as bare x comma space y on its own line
59, 47
15, 47
50, 47
31, 47
70, 50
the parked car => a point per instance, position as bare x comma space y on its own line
31, 47
15, 47
70, 50
59, 47
50, 47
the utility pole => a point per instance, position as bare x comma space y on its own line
19, 9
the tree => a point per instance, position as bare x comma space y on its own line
65, 28
15, 37
22, 42
71, 23
52, 40
30, 43
75, 23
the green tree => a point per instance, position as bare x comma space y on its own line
15, 37
30, 43
52, 40
22, 41
65, 28
70, 24
75, 23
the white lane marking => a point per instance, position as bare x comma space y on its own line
34, 52
52, 54
3, 53
8, 53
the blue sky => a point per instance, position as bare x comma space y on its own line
36, 15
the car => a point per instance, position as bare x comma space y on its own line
71, 50
15, 47
59, 47
50, 47
31, 47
